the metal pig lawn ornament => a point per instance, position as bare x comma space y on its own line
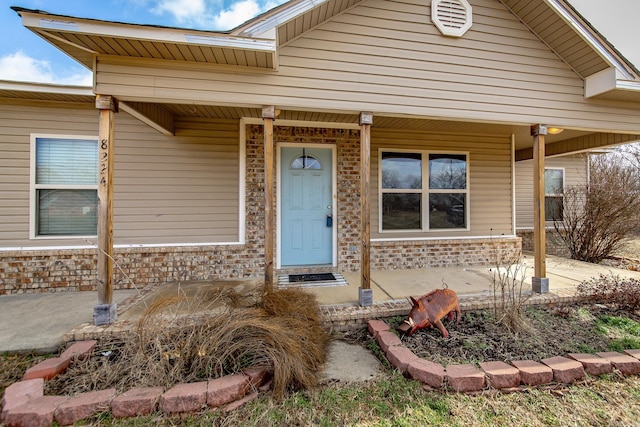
430, 309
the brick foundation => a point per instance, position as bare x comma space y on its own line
398, 255
554, 246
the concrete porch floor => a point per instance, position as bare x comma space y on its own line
390, 285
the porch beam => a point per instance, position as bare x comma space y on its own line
365, 293
579, 144
540, 282
105, 312
268, 116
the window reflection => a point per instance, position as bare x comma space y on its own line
401, 211
447, 172
447, 210
402, 171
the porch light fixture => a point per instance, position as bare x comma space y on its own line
554, 131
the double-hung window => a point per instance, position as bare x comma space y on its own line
423, 191
553, 194
64, 186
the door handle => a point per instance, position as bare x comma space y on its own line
329, 220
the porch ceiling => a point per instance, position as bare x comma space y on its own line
521, 132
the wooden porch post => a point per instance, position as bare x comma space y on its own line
106, 311
540, 283
365, 293
268, 116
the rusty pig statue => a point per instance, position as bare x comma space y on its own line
430, 309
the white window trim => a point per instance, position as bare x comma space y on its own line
564, 178
33, 206
425, 191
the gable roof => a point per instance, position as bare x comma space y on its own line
254, 44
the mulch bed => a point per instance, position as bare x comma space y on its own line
550, 331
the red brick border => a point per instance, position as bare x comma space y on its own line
497, 375
24, 403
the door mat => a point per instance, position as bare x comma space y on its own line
311, 277
311, 280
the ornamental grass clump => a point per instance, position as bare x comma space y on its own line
216, 332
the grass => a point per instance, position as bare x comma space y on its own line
396, 401
623, 332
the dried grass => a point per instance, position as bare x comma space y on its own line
211, 334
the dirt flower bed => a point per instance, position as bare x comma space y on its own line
550, 331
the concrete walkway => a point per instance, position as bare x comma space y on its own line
39, 322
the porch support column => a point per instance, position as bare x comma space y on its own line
365, 293
268, 116
105, 312
540, 283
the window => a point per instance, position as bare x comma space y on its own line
553, 194
421, 191
305, 162
64, 186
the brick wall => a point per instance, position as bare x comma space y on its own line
554, 245
442, 253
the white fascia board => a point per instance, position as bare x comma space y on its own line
266, 25
606, 81
40, 22
601, 82
46, 88
589, 37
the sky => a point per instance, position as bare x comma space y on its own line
26, 57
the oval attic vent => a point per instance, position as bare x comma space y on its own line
452, 17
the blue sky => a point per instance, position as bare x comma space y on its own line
26, 57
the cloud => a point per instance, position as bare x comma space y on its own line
184, 11
238, 13
21, 67
207, 14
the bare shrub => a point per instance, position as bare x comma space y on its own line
612, 289
599, 217
509, 296
210, 335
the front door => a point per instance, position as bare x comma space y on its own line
306, 226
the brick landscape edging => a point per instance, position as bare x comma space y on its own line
24, 403
467, 378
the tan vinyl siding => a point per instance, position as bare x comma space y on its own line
575, 173
489, 179
387, 57
18, 122
181, 189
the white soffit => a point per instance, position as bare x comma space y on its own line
452, 17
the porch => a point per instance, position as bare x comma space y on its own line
391, 289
